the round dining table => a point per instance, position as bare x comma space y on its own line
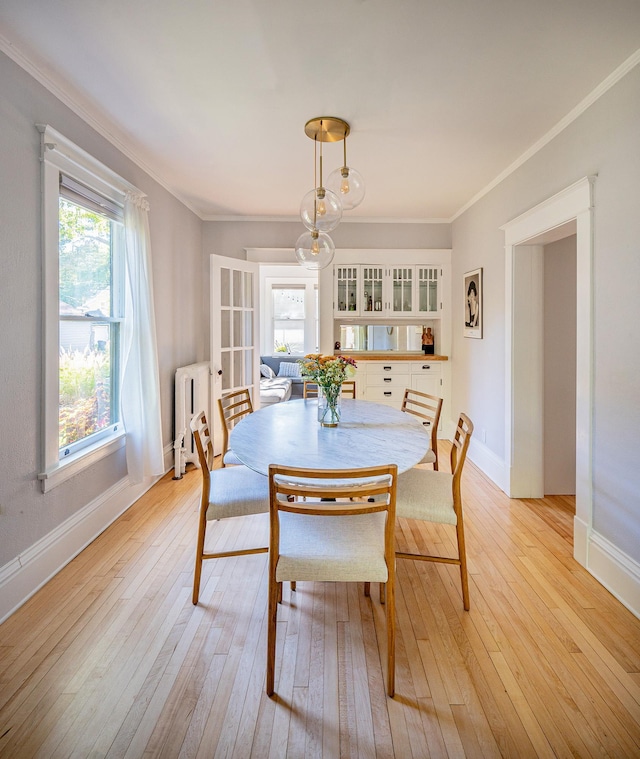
289, 434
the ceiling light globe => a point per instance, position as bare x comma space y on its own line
348, 185
321, 209
314, 250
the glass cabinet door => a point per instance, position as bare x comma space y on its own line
427, 282
346, 290
402, 290
371, 301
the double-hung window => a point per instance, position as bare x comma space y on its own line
91, 311
83, 296
292, 309
288, 309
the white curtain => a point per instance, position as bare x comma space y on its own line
140, 388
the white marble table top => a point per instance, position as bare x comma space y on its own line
369, 434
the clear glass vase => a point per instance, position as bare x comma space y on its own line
329, 405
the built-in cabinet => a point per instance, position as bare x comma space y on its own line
385, 381
387, 291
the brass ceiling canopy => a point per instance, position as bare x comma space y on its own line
327, 129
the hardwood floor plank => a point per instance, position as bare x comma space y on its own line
110, 658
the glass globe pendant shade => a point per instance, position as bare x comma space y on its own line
314, 250
321, 209
348, 185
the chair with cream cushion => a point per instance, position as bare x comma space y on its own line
342, 540
233, 492
434, 496
426, 407
233, 406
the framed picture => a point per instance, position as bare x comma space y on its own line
473, 304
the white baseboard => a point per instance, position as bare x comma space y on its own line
487, 461
619, 573
27, 573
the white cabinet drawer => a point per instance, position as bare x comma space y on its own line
381, 394
387, 380
388, 367
426, 367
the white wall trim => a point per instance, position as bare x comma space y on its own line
491, 465
521, 375
619, 573
29, 571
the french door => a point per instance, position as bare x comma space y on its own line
234, 328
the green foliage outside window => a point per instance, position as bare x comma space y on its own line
85, 275
85, 254
85, 395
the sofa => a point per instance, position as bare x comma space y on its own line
284, 384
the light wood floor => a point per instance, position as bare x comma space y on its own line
111, 658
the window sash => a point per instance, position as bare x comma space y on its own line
60, 155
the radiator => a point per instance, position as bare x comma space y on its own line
192, 394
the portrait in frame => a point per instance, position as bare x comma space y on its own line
473, 304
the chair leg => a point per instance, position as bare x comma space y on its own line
293, 586
391, 638
382, 592
272, 618
367, 589
279, 592
197, 572
462, 555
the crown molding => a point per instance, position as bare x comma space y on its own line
355, 220
604, 86
86, 113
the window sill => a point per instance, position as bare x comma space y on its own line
77, 462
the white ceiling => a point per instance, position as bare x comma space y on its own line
211, 96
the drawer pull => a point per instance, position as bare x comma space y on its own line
426, 366
388, 392
387, 379
387, 368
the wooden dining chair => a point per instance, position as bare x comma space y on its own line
341, 540
233, 407
434, 496
348, 389
310, 390
427, 408
234, 492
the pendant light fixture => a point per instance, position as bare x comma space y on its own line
321, 208
347, 183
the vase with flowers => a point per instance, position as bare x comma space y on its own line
328, 372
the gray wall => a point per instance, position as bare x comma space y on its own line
26, 514
604, 140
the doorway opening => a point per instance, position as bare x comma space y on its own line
565, 214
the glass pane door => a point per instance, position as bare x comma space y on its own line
234, 328
402, 290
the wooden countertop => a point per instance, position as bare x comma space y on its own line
391, 356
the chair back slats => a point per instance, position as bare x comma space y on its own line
233, 406
348, 390
204, 444
310, 390
459, 447
428, 408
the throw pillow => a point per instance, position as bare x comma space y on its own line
267, 371
289, 369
